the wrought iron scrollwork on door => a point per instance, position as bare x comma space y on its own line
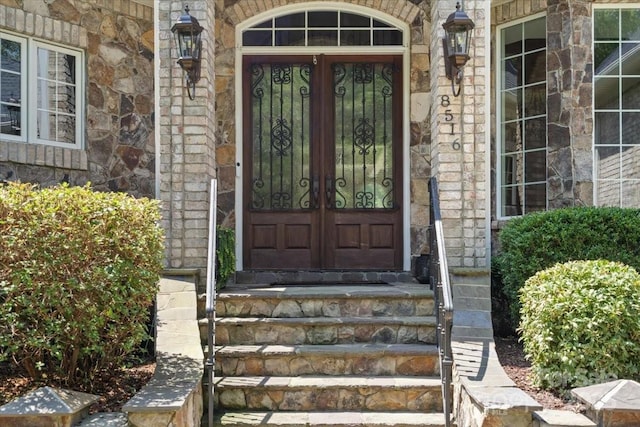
363, 134
281, 136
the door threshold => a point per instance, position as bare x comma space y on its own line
323, 278
333, 283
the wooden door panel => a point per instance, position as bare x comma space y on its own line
348, 236
363, 240
297, 236
265, 236
381, 236
283, 241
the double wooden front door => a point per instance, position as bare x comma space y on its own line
322, 162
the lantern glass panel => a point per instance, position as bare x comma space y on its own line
451, 42
178, 43
197, 47
458, 41
186, 45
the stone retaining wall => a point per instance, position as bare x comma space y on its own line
173, 397
484, 396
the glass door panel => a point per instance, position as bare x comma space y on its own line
280, 157
363, 136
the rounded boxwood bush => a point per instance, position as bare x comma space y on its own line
78, 275
536, 241
581, 323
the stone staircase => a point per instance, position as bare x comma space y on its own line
326, 355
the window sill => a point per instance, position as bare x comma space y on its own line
43, 155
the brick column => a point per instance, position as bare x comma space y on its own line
569, 111
187, 142
458, 153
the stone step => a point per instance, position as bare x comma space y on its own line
339, 359
558, 418
323, 301
105, 419
326, 419
322, 330
318, 393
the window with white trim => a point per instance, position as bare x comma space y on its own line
617, 106
522, 118
322, 28
40, 92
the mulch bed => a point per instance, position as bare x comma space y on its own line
518, 368
115, 387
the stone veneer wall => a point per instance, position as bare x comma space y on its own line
459, 159
420, 128
187, 131
119, 147
569, 109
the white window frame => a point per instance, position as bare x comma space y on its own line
23, 87
499, 110
371, 29
620, 179
29, 91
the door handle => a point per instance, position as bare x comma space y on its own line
328, 189
315, 186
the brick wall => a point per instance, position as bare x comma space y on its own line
458, 159
187, 131
510, 10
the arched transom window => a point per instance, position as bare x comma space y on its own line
322, 28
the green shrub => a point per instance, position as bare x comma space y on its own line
533, 242
78, 274
581, 323
225, 255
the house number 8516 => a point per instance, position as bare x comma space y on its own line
448, 117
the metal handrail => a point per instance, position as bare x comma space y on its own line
441, 285
211, 296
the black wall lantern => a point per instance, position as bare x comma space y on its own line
456, 43
187, 31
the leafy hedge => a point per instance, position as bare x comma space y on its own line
225, 255
78, 275
581, 323
536, 241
